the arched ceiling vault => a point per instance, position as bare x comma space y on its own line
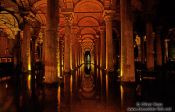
8, 24
88, 16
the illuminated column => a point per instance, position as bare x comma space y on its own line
127, 46
98, 50
166, 50
58, 56
95, 53
102, 48
149, 47
50, 43
159, 50
43, 32
92, 56
68, 20
61, 47
71, 52
26, 56
109, 44
138, 41
76, 51
73, 48
78, 55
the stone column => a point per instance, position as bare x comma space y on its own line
26, 56
166, 50
98, 50
76, 52
127, 46
73, 50
109, 43
95, 53
68, 20
159, 50
61, 44
102, 48
50, 42
149, 47
138, 41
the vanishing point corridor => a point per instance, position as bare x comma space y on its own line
87, 55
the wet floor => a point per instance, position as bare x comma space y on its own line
88, 89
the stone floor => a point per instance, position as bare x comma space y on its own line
88, 89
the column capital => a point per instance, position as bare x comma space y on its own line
108, 14
69, 16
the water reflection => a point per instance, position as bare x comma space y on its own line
88, 89
87, 68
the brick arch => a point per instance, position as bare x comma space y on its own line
87, 30
88, 21
9, 24
89, 6
40, 9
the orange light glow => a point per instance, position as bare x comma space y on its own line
121, 94
71, 79
29, 83
107, 86
59, 98
29, 62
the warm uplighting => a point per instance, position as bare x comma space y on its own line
29, 67
121, 72
29, 61
71, 81
121, 95
58, 70
107, 89
29, 83
59, 98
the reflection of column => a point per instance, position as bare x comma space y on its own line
68, 20
166, 50
158, 50
102, 48
109, 44
127, 46
149, 46
50, 43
